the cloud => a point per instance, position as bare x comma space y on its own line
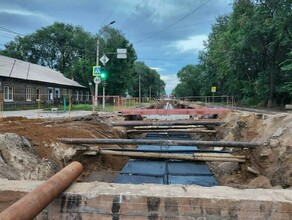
193, 43
158, 69
21, 20
25, 13
160, 10
157, 12
171, 81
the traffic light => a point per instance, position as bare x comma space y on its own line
103, 75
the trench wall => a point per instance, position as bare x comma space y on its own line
98, 200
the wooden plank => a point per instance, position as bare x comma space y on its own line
170, 156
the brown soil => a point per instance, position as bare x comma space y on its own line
43, 135
269, 165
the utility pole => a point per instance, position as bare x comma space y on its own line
139, 88
96, 84
150, 93
97, 64
103, 95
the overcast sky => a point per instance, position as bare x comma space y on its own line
166, 34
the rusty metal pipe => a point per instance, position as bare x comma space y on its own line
29, 206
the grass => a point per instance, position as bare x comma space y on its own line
88, 107
81, 107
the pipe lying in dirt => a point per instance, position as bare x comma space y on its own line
186, 130
29, 206
194, 157
160, 142
167, 123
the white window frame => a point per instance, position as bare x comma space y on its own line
50, 94
81, 96
28, 93
10, 93
38, 94
77, 95
87, 96
57, 93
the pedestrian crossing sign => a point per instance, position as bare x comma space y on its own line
96, 70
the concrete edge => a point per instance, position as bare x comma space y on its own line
91, 189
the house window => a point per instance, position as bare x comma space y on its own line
77, 95
50, 93
64, 92
87, 96
81, 96
28, 94
38, 94
8, 93
57, 93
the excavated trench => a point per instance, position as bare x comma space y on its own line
140, 171
38, 153
166, 171
31, 151
267, 166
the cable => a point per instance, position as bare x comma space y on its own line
174, 28
10, 37
159, 59
179, 20
7, 30
129, 17
110, 14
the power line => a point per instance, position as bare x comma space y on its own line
6, 36
110, 14
10, 31
133, 12
174, 28
179, 20
159, 59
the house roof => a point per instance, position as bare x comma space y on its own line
18, 69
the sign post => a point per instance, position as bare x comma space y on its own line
213, 90
96, 71
104, 59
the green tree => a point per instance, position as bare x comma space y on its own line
190, 81
72, 51
247, 53
120, 71
150, 82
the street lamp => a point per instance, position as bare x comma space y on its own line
97, 63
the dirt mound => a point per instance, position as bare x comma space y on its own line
272, 160
18, 160
43, 136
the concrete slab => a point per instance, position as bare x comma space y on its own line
98, 200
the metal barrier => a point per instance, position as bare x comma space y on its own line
211, 100
43, 101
